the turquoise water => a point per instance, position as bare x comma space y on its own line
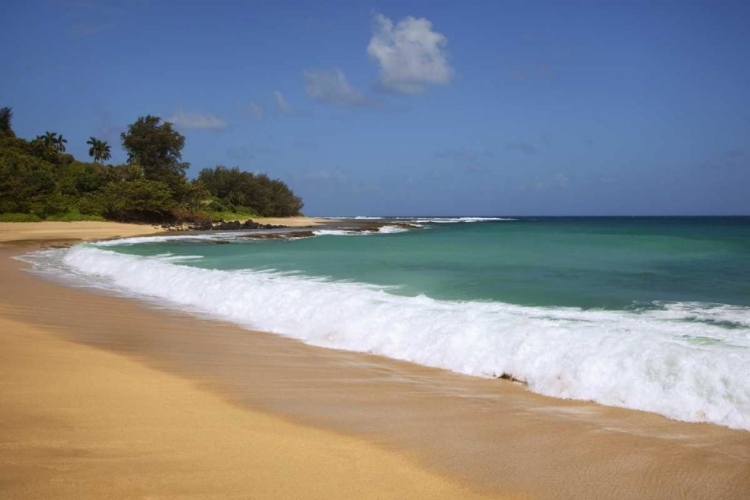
611, 263
644, 313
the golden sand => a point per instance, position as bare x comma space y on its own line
78, 422
29, 232
447, 430
72, 231
292, 221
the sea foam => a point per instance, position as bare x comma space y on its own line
674, 359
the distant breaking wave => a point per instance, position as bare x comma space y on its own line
687, 361
439, 220
453, 220
240, 235
346, 232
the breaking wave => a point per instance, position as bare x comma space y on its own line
686, 361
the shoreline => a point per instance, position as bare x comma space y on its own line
33, 233
104, 426
491, 434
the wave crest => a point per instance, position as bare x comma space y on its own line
657, 360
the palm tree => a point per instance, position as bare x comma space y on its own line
6, 117
104, 151
93, 150
99, 150
60, 144
49, 139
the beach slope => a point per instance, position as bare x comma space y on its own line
72, 231
79, 422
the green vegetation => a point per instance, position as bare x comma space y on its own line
39, 181
99, 150
6, 117
12, 217
244, 192
233, 215
74, 215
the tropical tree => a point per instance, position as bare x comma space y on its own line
94, 149
59, 144
6, 117
237, 189
99, 150
155, 146
140, 200
49, 139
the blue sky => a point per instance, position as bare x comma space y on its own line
410, 107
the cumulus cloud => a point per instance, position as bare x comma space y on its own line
252, 110
331, 87
282, 102
186, 119
410, 54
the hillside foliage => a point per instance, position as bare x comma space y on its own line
39, 180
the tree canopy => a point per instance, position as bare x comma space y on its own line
6, 119
39, 180
99, 150
157, 148
259, 193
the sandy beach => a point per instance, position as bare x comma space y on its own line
79, 422
292, 221
106, 396
29, 232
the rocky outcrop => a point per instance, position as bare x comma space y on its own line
221, 225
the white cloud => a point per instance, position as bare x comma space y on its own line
331, 87
284, 106
252, 110
411, 55
186, 119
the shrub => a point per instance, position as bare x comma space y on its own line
15, 217
74, 215
137, 201
24, 181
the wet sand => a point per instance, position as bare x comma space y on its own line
78, 422
493, 435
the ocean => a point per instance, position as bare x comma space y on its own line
648, 313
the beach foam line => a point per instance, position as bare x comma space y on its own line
681, 360
455, 220
347, 232
438, 220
